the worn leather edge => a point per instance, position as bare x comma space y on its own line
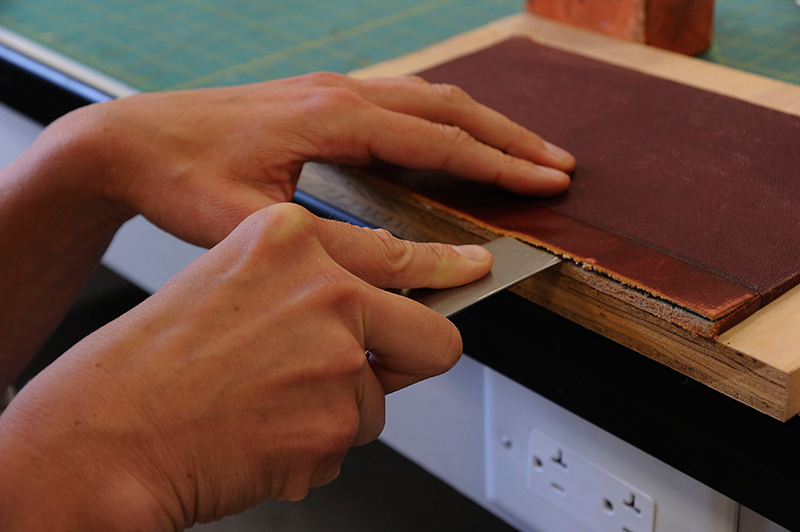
685, 285
630, 317
662, 305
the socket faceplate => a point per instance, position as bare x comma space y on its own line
512, 412
585, 491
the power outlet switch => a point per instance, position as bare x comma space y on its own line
585, 491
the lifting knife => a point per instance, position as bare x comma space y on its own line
514, 261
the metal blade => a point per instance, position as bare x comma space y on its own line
514, 261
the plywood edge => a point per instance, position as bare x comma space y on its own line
793, 399
572, 292
732, 373
772, 336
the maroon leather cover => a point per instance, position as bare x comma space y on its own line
688, 195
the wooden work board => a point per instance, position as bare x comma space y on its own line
755, 362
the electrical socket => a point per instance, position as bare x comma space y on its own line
580, 488
513, 411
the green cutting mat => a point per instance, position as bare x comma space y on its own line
173, 44
761, 36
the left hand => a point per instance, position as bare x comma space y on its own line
198, 162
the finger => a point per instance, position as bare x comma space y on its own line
448, 104
407, 341
371, 408
417, 143
392, 381
388, 262
398, 128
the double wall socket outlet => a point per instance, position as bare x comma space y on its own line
585, 491
602, 472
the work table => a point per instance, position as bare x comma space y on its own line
667, 413
681, 420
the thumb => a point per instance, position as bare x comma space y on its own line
385, 261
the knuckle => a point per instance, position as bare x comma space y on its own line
327, 475
294, 215
324, 79
348, 363
271, 232
457, 137
452, 94
457, 143
336, 426
331, 443
340, 290
334, 99
521, 139
515, 140
340, 433
416, 79
334, 438
442, 253
396, 253
509, 167
343, 297
283, 220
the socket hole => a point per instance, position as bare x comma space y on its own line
537, 463
608, 507
505, 441
626, 529
558, 459
630, 502
558, 489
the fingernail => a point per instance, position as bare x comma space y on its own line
473, 252
559, 152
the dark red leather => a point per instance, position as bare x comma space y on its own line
689, 195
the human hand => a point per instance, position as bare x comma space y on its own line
243, 378
198, 162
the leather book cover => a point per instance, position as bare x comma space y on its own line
686, 195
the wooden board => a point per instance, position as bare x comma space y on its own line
756, 362
675, 190
679, 26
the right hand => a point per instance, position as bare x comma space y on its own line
245, 377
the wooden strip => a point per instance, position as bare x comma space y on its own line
683, 27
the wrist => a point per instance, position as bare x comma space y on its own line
48, 481
55, 225
77, 160
60, 182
